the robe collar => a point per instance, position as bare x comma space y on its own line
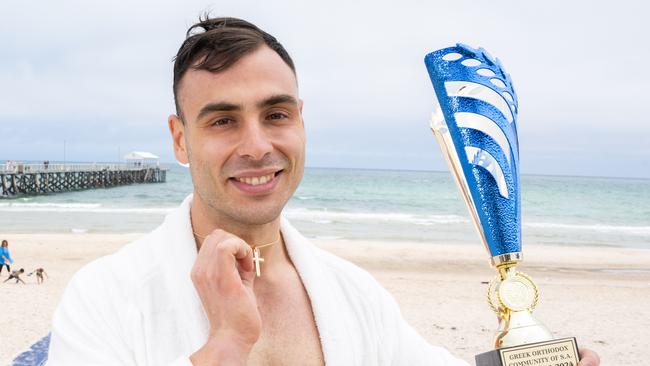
327, 299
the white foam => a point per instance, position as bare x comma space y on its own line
321, 216
79, 207
56, 205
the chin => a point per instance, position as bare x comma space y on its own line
257, 216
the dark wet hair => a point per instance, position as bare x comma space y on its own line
215, 44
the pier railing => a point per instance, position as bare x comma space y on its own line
85, 167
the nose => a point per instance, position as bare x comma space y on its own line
254, 142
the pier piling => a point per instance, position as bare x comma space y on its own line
36, 179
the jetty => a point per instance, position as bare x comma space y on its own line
20, 179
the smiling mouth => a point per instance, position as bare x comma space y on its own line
257, 180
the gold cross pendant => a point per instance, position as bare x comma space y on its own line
257, 259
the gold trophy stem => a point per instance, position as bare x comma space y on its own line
506, 269
504, 317
517, 325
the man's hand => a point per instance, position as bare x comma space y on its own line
588, 358
223, 276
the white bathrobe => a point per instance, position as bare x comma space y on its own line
139, 307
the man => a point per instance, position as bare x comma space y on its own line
16, 275
239, 126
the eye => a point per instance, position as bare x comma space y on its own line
222, 121
277, 116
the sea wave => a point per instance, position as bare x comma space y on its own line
79, 207
320, 216
325, 217
630, 230
50, 205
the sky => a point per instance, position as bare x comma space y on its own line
97, 75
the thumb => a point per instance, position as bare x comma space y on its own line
588, 358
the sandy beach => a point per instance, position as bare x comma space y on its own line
599, 295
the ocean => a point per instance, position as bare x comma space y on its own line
387, 205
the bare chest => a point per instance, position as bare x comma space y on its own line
289, 334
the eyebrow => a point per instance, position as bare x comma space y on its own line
218, 107
228, 107
277, 99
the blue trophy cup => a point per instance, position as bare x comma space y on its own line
475, 123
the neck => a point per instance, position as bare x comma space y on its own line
204, 221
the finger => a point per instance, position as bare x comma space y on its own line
206, 253
233, 250
227, 251
214, 237
243, 250
207, 244
207, 259
588, 358
209, 251
219, 234
244, 257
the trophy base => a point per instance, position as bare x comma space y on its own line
557, 352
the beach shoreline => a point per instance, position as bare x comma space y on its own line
593, 293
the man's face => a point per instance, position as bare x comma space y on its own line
243, 137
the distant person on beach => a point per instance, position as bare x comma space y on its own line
16, 275
39, 275
5, 256
225, 280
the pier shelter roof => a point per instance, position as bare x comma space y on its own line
140, 155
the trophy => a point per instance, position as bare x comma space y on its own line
474, 120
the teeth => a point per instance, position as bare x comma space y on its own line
255, 181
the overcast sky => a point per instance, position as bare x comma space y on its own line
98, 75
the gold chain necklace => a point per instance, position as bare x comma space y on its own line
257, 259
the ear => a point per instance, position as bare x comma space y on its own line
177, 130
301, 103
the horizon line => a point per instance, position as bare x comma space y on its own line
174, 163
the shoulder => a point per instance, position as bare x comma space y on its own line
98, 315
358, 284
120, 273
376, 309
